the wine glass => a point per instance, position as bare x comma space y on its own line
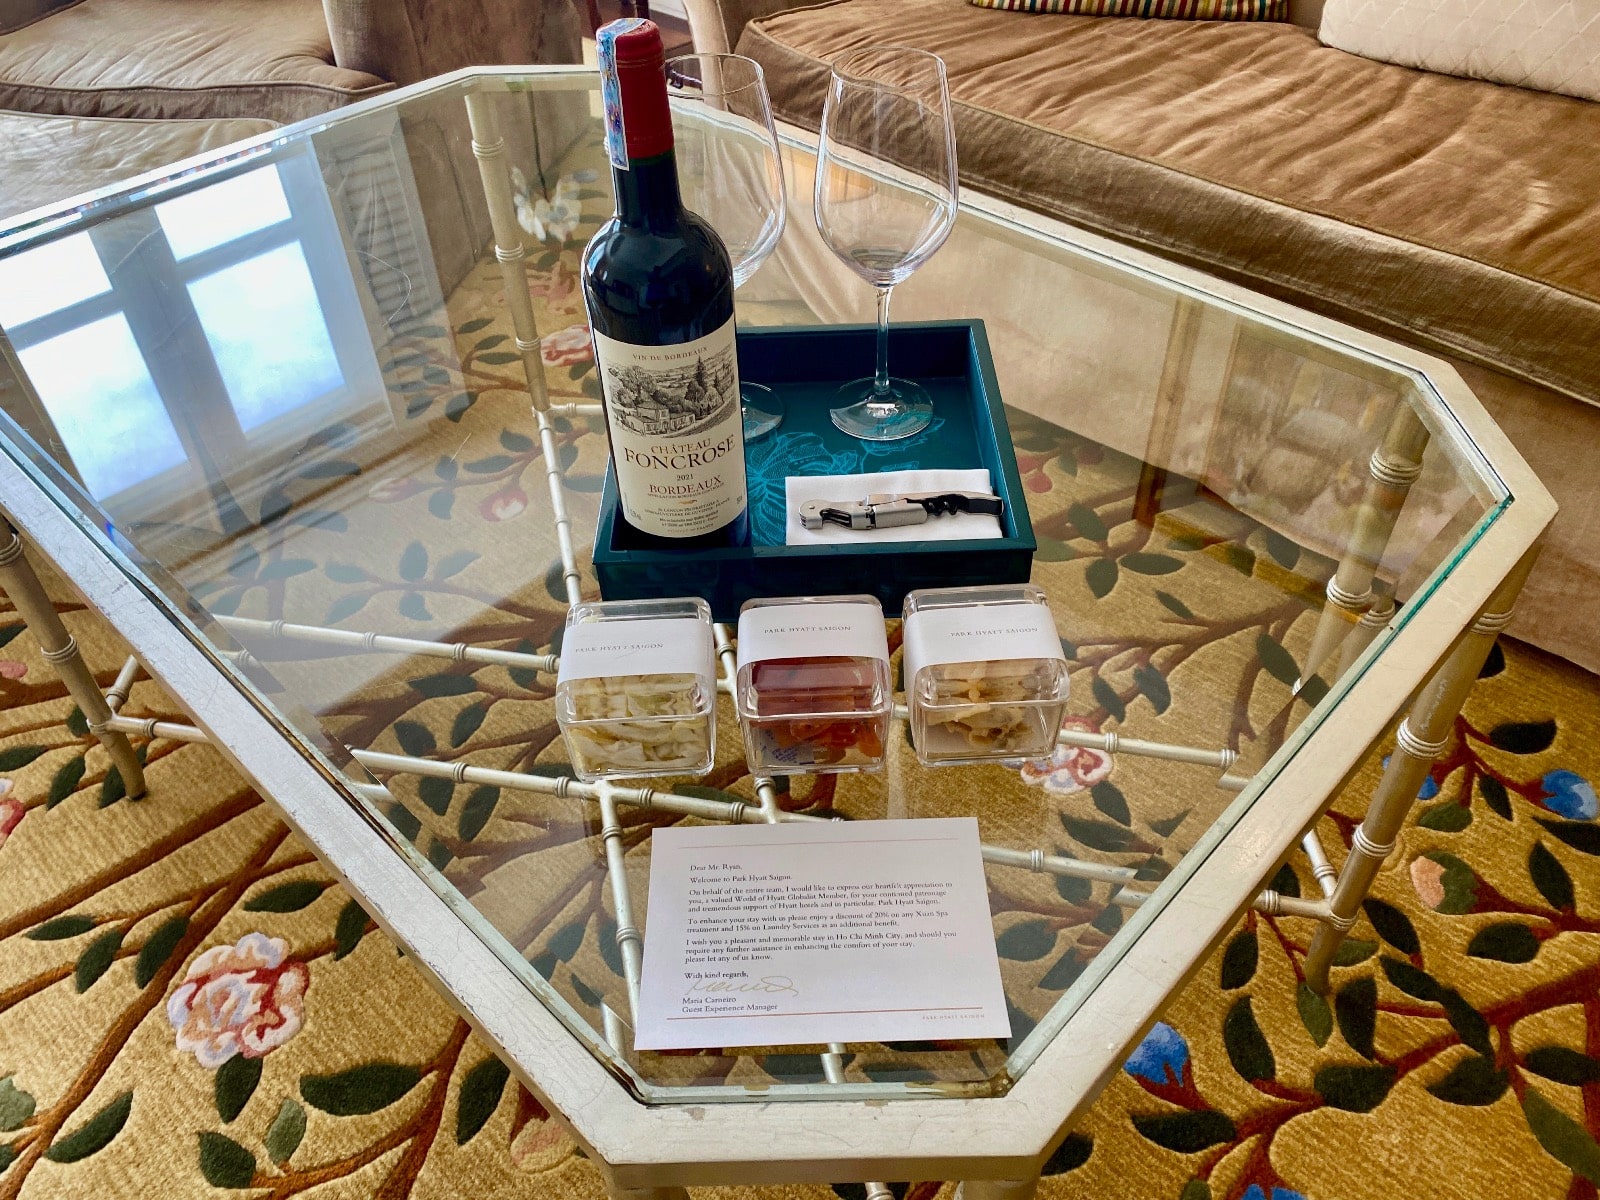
885, 200
730, 173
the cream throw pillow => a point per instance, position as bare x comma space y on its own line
1547, 45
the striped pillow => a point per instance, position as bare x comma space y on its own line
1182, 10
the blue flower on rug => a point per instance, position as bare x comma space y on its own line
1429, 788
1570, 794
1254, 1192
1160, 1059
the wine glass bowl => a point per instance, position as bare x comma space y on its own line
885, 200
731, 174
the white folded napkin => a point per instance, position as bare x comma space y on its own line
800, 489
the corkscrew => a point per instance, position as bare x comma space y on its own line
889, 509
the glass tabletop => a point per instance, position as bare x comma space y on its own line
287, 387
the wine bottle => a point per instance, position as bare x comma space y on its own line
658, 285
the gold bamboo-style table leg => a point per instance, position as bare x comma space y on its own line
60, 649
1394, 467
1420, 739
646, 1193
998, 1189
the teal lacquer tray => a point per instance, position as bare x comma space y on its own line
806, 365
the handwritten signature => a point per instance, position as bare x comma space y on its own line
771, 985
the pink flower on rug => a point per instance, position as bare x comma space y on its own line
1071, 768
537, 1142
566, 347
11, 812
504, 504
246, 999
1427, 877
11, 669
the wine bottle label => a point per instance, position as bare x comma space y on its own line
677, 436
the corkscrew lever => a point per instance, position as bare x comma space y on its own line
886, 510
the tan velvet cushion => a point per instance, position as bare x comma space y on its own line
44, 160
1456, 214
267, 59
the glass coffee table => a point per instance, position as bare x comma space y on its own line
313, 423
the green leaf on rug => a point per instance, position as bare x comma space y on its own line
1495, 796
1315, 1014
1087, 522
480, 1096
93, 1135
1523, 737
566, 941
96, 959
1411, 980
1446, 817
446, 683
1276, 660
1026, 941
475, 813
1108, 798
467, 722
405, 822
349, 929
1053, 550
609, 950
1098, 835
18, 757
77, 723
416, 740
456, 407
1247, 1046
1239, 960
1563, 1138
8, 632
286, 1130
1354, 950
360, 1090
1073, 1152
1284, 552
1175, 606
16, 1105
157, 948
436, 793
112, 788
1154, 686
225, 1163
1550, 877
1241, 558
69, 926
1356, 1007
1151, 564
7, 1157
345, 606
1505, 941
413, 564
490, 342
1073, 890
474, 325
454, 563
1186, 1132
1354, 1088
1553, 1062
1101, 577
66, 781
1580, 835
1473, 1081
234, 1084
1467, 1021
498, 358
287, 897
1393, 926
1196, 1189
1064, 973
1108, 698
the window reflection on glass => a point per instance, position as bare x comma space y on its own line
267, 331
37, 282
223, 211
93, 382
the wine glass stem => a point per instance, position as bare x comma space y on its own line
880, 380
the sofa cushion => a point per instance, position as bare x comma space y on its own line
1177, 10
1452, 213
44, 160
1551, 45
267, 59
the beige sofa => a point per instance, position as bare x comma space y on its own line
1458, 216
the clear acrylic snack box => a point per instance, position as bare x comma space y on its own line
636, 694
813, 687
986, 677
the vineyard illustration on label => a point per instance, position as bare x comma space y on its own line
676, 401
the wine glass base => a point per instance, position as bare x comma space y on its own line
907, 410
763, 411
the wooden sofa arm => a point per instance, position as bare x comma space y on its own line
404, 41
717, 24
